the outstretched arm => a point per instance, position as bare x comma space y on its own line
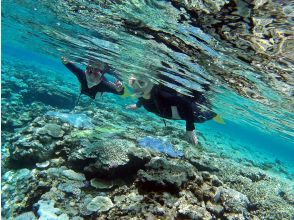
73, 68
115, 88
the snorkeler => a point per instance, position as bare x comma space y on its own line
167, 103
92, 80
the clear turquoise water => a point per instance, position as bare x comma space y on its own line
40, 32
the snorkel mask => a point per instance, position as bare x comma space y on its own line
95, 68
141, 85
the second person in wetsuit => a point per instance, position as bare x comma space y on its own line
168, 103
92, 80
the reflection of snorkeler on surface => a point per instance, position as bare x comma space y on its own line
93, 81
168, 103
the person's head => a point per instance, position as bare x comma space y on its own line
95, 68
141, 85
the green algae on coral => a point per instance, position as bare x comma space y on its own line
99, 183
96, 133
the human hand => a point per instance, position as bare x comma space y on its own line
191, 137
64, 60
119, 86
131, 107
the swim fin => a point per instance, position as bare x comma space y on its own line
219, 119
126, 93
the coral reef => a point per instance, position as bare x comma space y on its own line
97, 161
46, 210
107, 178
161, 174
100, 204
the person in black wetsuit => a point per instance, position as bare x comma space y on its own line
167, 103
93, 81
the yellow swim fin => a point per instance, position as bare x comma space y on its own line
126, 93
219, 119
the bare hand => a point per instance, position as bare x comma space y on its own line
191, 137
64, 60
132, 107
119, 86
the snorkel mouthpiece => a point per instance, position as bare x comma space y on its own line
141, 85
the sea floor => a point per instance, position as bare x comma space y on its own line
55, 168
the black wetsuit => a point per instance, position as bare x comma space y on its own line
103, 86
190, 109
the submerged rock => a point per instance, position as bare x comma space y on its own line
70, 174
27, 151
161, 173
13, 177
105, 158
101, 183
129, 202
253, 175
43, 165
36, 142
70, 188
100, 204
204, 164
53, 130
18, 190
139, 156
26, 216
215, 209
47, 211
232, 200
188, 211
215, 181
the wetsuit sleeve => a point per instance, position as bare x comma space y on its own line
183, 104
106, 86
139, 103
79, 73
74, 69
